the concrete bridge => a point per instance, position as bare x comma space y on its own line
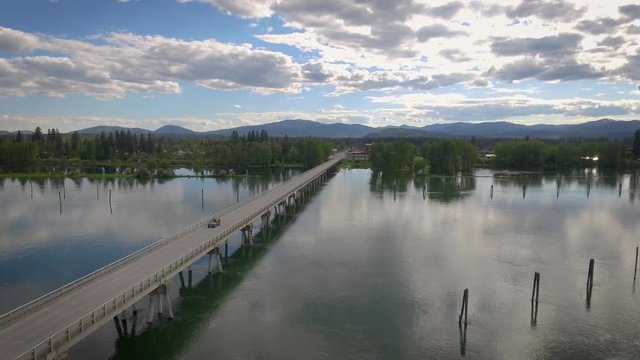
47, 327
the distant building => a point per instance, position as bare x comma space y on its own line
358, 153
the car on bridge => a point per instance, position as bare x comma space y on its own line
215, 222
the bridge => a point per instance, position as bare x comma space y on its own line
47, 327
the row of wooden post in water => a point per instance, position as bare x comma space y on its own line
524, 190
64, 195
535, 294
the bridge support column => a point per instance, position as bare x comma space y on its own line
247, 235
159, 300
116, 322
164, 293
266, 220
226, 249
216, 252
152, 306
125, 326
190, 275
181, 276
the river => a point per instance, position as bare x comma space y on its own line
368, 268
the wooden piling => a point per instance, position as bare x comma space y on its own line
635, 267
620, 189
31, 183
465, 308
590, 274
590, 281
491, 191
60, 200
110, 207
97, 191
202, 191
536, 287
64, 190
534, 298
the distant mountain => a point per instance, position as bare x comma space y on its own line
604, 128
301, 128
96, 130
174, 130
402, 132
480, 129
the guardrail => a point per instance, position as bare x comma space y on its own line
114, 305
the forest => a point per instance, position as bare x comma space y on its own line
451, 157
428, 156
18, 152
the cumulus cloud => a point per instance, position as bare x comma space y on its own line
243, 8
612, 41
129, 62
446, 11
436, 30
547, 10
454, 55
631, 11
599, 26
450, 107
631, 69
548, 46
14, 40
553, 70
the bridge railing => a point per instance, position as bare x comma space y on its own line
120, 302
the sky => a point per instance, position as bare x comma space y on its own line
215, 64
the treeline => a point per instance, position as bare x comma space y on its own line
451, 157
254, 149
447, 157
537, 155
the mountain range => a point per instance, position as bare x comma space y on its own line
604, 128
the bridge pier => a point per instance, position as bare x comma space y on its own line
247, 235
164, 292
116, 322
215, 252
152, 306
123, 320
158, 296
266, 220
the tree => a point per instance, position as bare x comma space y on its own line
37, 135
75, 142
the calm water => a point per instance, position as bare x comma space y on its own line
370, 268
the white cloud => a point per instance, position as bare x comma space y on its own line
129, 62
518, 107
243, 8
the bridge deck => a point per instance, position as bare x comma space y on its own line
31, 329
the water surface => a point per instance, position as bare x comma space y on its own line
370, 268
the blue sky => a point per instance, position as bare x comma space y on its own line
212, 64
